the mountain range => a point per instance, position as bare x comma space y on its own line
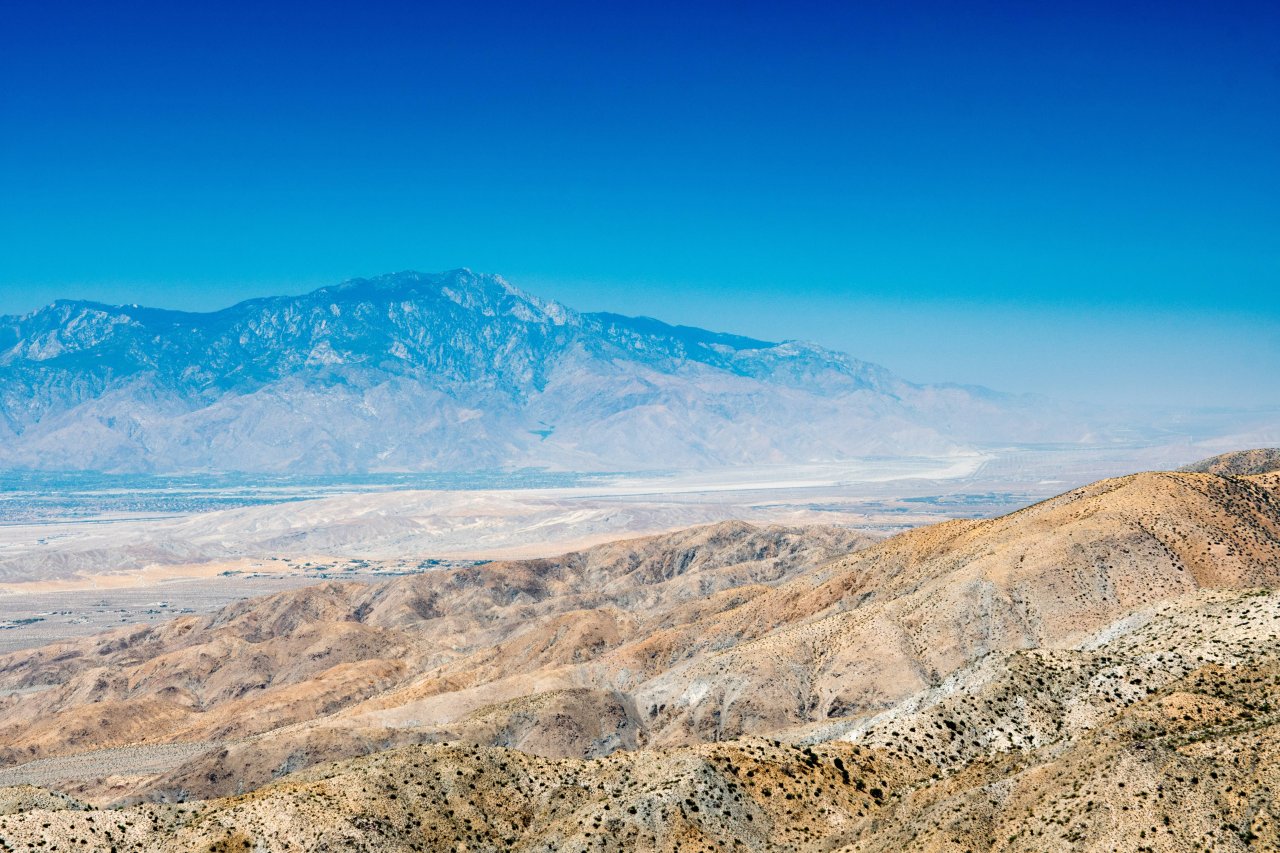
1098, 671
456, 371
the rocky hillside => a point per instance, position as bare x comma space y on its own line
987, 684
275, 677
412, 372
1158, 734
1156, 731
1240, 463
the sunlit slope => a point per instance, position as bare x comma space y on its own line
1159, 733
706, 635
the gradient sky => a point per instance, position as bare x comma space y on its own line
1076, 199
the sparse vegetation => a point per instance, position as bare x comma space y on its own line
1099, 671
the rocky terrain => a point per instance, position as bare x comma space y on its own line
1241, 463
456, 371
1099, 671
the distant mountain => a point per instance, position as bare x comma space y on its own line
411, 372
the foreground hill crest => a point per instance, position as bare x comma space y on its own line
1240, 463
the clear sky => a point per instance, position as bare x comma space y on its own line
1070, 198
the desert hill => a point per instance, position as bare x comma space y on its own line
1159, 759
997, 680
1239, 463
301, 655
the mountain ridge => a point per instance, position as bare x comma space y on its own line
456, 370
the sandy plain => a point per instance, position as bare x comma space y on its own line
75, 576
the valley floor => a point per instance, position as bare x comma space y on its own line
93, 554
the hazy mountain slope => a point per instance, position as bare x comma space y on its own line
454, 371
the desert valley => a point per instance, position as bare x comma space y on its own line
1099, 670
424, 562
561, 427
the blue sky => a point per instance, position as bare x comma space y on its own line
1076, 199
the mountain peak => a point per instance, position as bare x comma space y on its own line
488, 293
413, 371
